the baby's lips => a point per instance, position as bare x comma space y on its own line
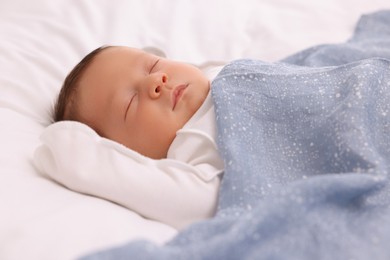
177, 93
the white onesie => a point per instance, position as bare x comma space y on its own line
195, 142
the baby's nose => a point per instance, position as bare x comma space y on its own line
156, 87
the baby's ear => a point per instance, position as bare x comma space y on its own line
155, 51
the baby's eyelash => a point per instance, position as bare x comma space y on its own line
129, 104
154, 65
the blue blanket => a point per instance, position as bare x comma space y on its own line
306, 145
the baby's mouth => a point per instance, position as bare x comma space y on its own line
177, 93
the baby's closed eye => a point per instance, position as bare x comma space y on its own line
154, 66
129, 104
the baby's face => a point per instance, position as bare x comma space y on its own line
138, 99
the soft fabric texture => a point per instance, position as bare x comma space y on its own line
173, 192
306, 151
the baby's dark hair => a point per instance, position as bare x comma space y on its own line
66, 106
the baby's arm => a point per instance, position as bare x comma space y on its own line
168, 191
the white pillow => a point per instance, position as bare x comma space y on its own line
169, 191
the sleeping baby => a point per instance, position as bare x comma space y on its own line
161, 111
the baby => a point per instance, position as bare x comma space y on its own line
133, 97
160, 108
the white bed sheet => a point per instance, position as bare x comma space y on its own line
42, 40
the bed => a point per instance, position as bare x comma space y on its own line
42, 40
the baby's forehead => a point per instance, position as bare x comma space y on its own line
112, 57
122, 50
119, 55
111, 65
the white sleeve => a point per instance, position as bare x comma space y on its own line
165, 190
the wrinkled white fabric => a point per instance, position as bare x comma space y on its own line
170, 191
